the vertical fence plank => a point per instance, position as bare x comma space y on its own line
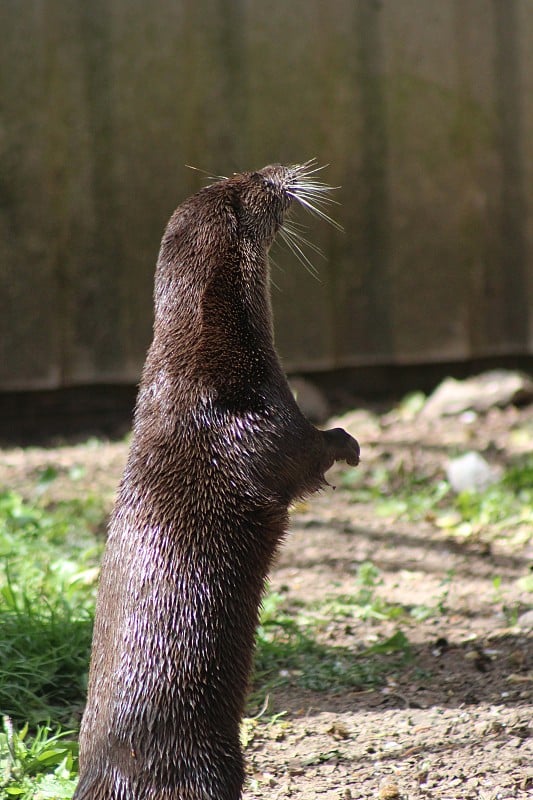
30, 339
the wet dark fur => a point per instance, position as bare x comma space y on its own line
219, 451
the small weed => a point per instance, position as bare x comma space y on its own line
519, 478
397, 643
440, 606
446, 583
295, 657
38, 767
322, 757
506, 507
364, 603
397, 494
273, 725
500, 598
497, 586
411, 405
289, 648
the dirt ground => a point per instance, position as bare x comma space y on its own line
456, 722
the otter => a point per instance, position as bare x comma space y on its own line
219, 451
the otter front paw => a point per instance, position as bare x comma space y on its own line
342, 446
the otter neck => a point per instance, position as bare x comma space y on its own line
225, 331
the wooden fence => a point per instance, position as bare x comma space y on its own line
422, 108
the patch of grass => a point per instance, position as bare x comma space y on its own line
519, 478
49, 557
291, 655
290, 650
48, 571
396, 493
505, 506
48, 568
38, 767
440, 604
364, 602
44, 654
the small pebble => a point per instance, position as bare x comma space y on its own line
389, 790
339, 731
470, 472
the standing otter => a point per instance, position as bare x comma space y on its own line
219, 451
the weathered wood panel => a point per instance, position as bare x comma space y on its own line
423, 108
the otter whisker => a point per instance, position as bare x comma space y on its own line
316, 197
314, 209
306, 182
303, 173
208, 175
303, 259
292, 229
297, 236
320, 193
272, 282
295, 248
311, 192
305, 168
275, 264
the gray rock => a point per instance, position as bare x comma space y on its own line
525, 620
361, 423
311, 400
498, 388
471, 472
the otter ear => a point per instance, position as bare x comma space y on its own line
233, 214
233, 209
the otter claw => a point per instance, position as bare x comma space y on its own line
353, 457
343, 446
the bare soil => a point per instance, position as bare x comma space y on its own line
456, 721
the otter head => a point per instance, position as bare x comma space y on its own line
261, 202
264, 198
212, 300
